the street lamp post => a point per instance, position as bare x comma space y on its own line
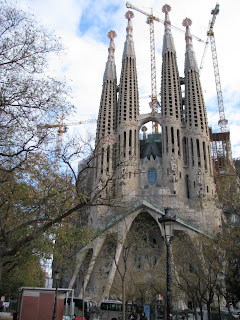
167, 222
56, 276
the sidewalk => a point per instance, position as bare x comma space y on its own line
5, 316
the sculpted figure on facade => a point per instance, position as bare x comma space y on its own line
173, 167
105, 269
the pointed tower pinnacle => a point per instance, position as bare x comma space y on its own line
111, 35
126, 116
190, 59
171, 101
168, 44
106, 115
129, 46
110, 71
197, 149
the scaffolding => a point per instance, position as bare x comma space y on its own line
221, 152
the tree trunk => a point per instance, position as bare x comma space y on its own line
195, 310
123, 300
201, 311
83, 297
209, 311
1, 267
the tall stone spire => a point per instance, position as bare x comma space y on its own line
128, 103
190, 59
195, 113
171, 102
128, 109
106, 116
129, 46
197, 149
168, 44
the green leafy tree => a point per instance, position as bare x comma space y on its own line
229, 286
36, 196
199, 263
27, 274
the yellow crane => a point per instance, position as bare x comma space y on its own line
62, 128
223, 122
154, 101
150, 20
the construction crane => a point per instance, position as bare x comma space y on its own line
223, 122
154, 101
62, 128
150, 20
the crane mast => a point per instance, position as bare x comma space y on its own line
223, 122
150, 19
155, 104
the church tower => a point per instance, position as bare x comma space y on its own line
196, 140
126, 118
171, 109
105, 138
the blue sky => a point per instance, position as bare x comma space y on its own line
83, 27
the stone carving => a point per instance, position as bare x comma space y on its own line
200, 177
105, 269
173, 167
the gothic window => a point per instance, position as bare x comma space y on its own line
172, 139
124, 143
152, 176
185, 151
178, 142
204, 154
166, 139
130, 142
187, 186
192, 151
198, 153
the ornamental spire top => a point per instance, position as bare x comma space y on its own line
129, 46
168, 44
129, 15
166, 9
190, 59
187, 23
111, 35
110, 70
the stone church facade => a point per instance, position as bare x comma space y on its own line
144, 177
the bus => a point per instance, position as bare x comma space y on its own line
112, 309
89, 307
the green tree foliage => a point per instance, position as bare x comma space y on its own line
227, 184
199, 266
69, 238
27, 274
32, 199
36, 197
228, 193
230, 243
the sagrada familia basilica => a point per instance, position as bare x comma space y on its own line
170, 170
